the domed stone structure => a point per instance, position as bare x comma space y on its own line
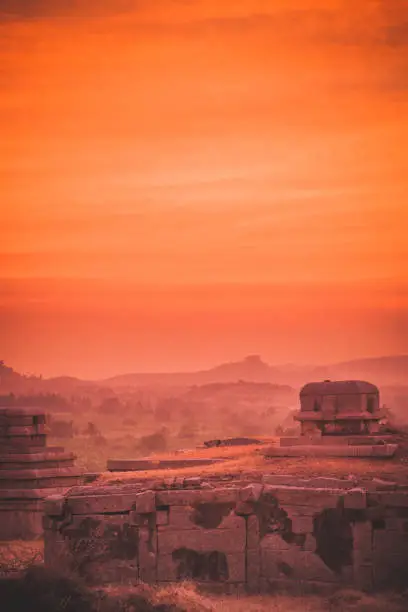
30, 471
349, 407
338, 419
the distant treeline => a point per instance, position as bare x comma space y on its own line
51, 401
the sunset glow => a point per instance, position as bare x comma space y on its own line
186, 182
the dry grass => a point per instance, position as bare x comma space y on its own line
181, 597
18, 555
248, 459
186, 597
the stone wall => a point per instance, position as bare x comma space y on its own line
321, 532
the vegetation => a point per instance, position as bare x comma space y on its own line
25, 585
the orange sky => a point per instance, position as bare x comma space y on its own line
187, 181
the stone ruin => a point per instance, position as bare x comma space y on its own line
237, 536
30, 471
338, 419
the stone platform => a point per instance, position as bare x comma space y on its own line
322, 533
381, 451
138, 465
29, 472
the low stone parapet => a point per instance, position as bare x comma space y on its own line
254, 537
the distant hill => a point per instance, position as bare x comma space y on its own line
383, 371
252, 369
389, 370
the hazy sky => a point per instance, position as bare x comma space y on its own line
187, 181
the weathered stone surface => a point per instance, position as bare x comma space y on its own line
226, 540
363, 544
194, 481
134, 465
355, 499
148, 554
319, 482
302, 524
54, 505
23, 524
390, 498
396, 524
383, 485
162, 517
253, 569
29, 472
252, 493
323, 536
389, 542
25, 430
178, 498
244, 508
323, 450
99, 504
363, 577
253, 535
295, 564
310, 543
302, 496
145, 502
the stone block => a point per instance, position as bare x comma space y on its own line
145, 502
253, 536
375, 513
220, 496
162, 517
224, 540
56, 552
236, 567
54, 505
148, 555
363, 534
251, 493
302, 524
390, 572
22, 524
244, 508
391, 499
383, 485
310, 543
178, 497
355, 499
362, 544
318, 482
390, 542
181, 517
396, 524
302, 496
295, 564
194, 481
323, 482
253, 562
293, 511
186, 517
273, 542
100, 504
166, 568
